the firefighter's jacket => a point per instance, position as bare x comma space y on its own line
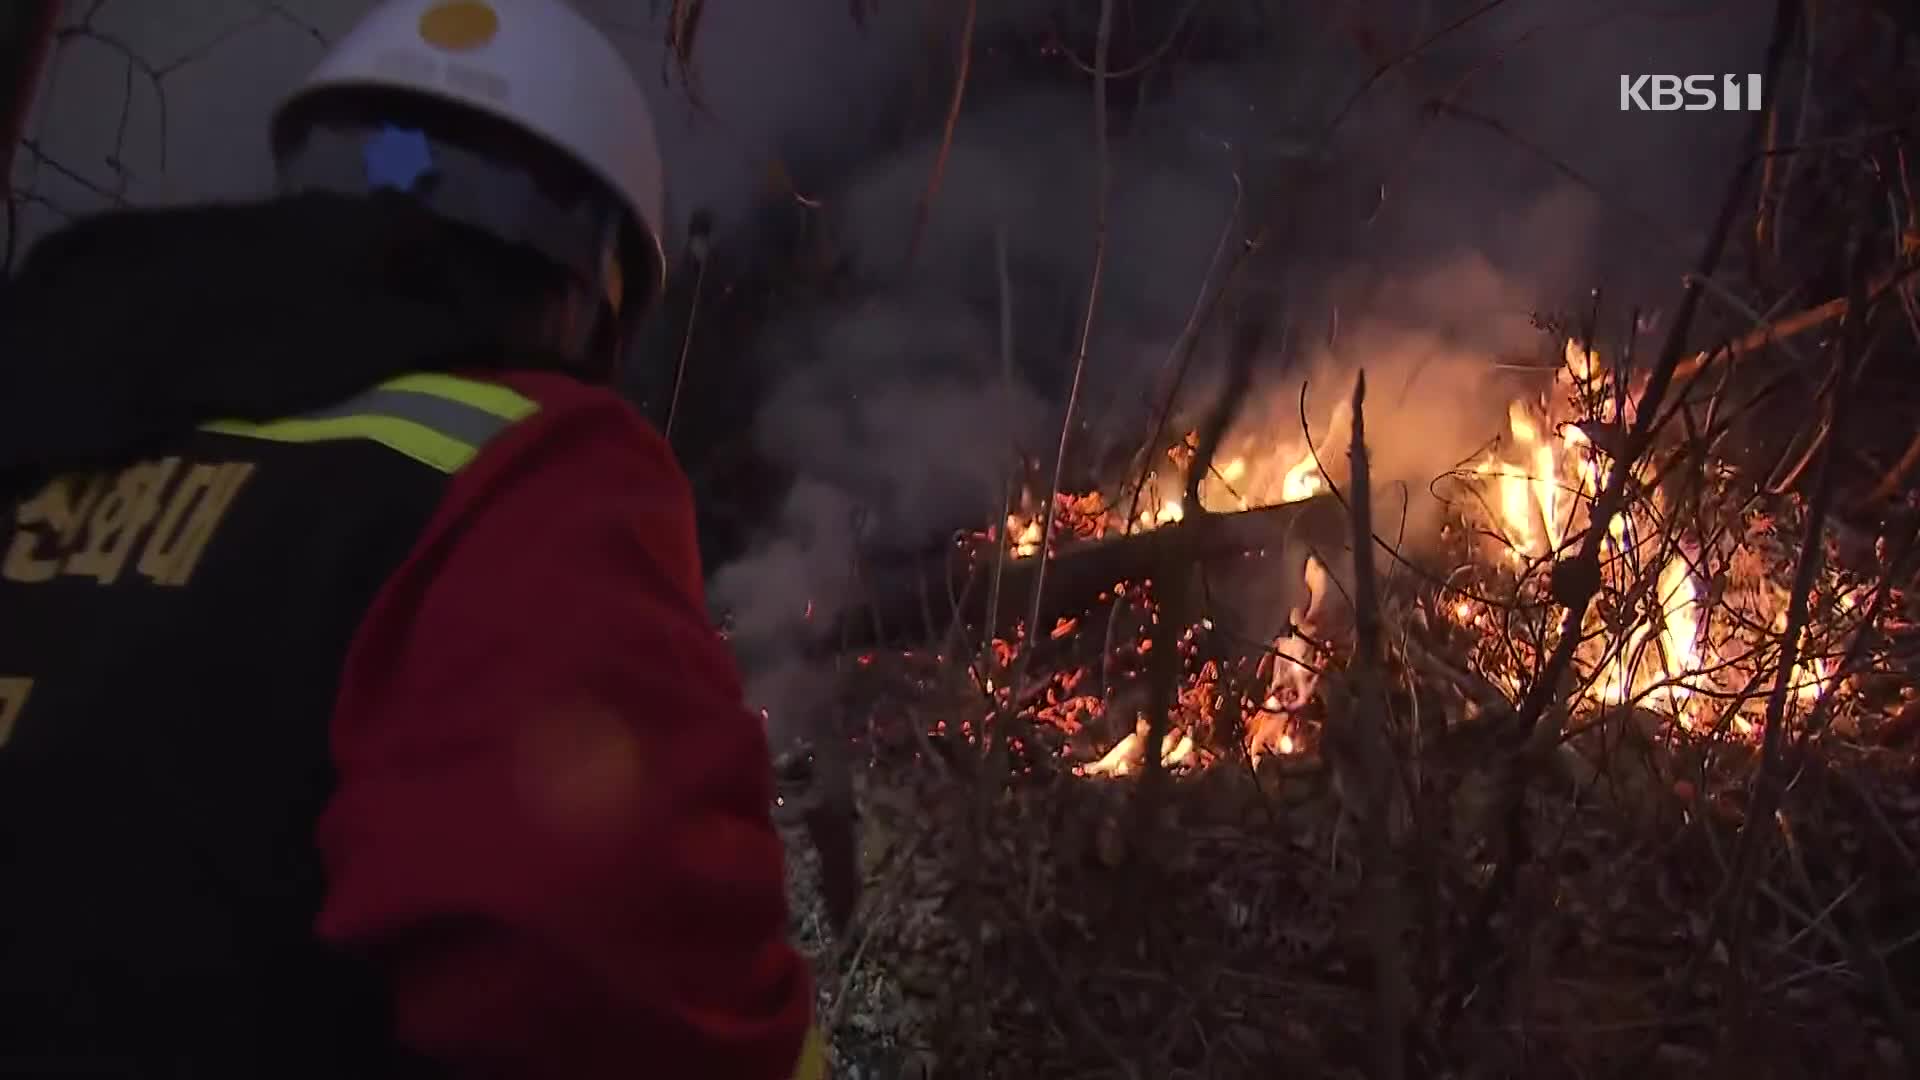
379, 736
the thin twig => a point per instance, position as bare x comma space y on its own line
699, 247
1656, 231
1153, 56
1005, 282
923, 209
1102, 191
1385, 68
1768, 783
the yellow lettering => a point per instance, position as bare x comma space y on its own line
21, 564
192, 516
117, 522
13, 701
112, 513
61, 506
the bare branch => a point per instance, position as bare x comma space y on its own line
1153, 56
73, 176
1361, 751
923, 209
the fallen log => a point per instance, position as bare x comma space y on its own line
903, 599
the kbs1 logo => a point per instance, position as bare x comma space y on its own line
1692, 93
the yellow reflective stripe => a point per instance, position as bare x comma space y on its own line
813, 1057
417, 441
487, 397
440, 421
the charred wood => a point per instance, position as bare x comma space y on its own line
892, 613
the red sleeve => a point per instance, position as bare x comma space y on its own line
552, 827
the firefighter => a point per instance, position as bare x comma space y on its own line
359, 711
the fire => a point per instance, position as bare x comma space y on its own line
1543, 489
1302, 481
1652, 640
1527, 485
1810, 678
1129, 753
1662, 649
1293, 679
1088, 517
1660, 653
1270, 733
1025, 535
1261, 474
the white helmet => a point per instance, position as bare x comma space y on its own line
539, 67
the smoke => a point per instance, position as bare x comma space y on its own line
1413, 244
901, 407
802, 569
894, 416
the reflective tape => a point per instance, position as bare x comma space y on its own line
486, 396
441, 421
